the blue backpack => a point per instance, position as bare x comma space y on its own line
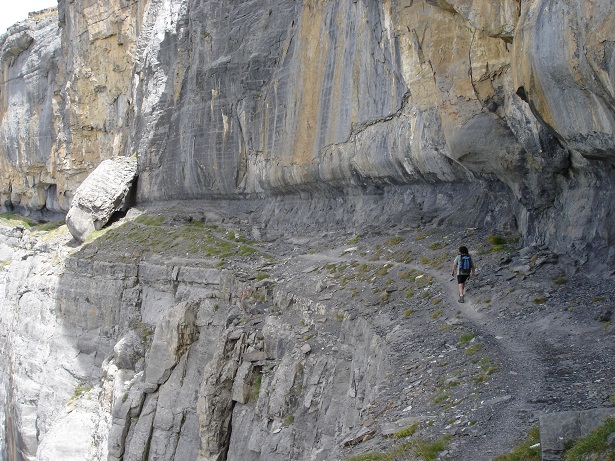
464, 264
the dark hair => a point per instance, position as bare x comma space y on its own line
463, 250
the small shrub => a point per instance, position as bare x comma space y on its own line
409, 312
436, 314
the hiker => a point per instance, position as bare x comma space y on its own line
463, 266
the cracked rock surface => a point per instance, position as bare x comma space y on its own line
180, 334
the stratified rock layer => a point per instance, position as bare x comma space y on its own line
285, 98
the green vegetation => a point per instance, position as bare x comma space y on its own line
594, 444
395, 240
427, 450
473, 349
440, 398
261, 276
436, 246
13, 219
81, 389
406, 432
409, 312
560, 281
466, 338
486, 370
151, 234
540, 300
255, 389
524, 452
289, 420
495, 240
149, 220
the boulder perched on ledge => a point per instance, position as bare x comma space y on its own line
100, 195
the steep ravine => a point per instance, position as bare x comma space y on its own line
199, 335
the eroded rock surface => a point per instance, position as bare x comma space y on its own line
172, 334
101, 194
319, 98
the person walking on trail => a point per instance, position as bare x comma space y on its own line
463, 266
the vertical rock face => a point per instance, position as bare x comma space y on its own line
284, 97
30, 59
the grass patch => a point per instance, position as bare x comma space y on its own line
523, 452
255, 389
261, 276
406, 432
471, 350
427, 450
80, 390
560, 281
409, 312
495, 240
13, 219
466, 338
540, 300
149, 220
594, 444
597, 299
440, 398
395, 240
436, 246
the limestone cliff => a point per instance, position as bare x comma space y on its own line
295, 122
279, 98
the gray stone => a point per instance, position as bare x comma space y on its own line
128, 351
558, 428
100, 195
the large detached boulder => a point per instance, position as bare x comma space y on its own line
100, 195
